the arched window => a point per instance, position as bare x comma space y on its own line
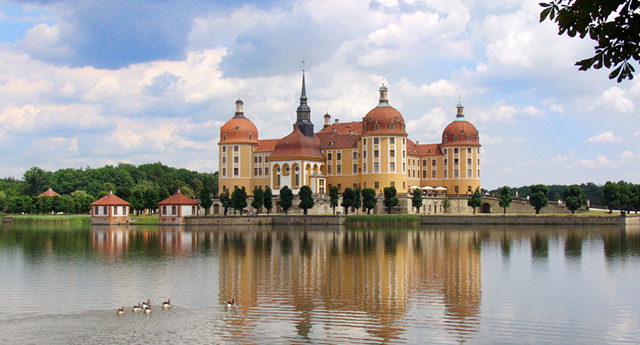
376, 127
455, 137
391, 126
297, 177
468, 137
365, 127
224, 137
250, 136
444, 138
237, 128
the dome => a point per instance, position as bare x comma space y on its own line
239, 129
384, 119
297, 145
460, 131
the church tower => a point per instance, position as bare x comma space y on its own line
304, 113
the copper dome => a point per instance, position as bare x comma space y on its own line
384, 119
239, 129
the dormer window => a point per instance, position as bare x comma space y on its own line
397, 119
334, 130
365, 126
250, 136
391, 126
455, 137
224, 137
376, 127
468, 137
370, 118
444, 138
237, 128
462, 131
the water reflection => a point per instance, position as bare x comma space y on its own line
312, 283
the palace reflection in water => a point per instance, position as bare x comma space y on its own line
324, 284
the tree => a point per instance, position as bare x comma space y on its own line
83, 201
123, 193
574, 197
634, 197
347, 199
108, 187
268, 199
369, 199
306, 198
446, 204
258, 198
475, 200
36, 180
610, 195
137, 201
416, 199
613, 24
623, 187
390, 198
334, 196
205, 199
357, 201
539, 197
286, 198
505, 198
239, 199
225, 201
151, 200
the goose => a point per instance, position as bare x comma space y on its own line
147, 304
167, 304
120, 311
137, 307
231, 304
147, 310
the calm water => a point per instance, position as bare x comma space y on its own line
478, 285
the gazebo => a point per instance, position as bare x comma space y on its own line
175, 208
110, 209
49, 192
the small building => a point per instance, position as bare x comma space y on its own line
110, 209
49, 193
175, 208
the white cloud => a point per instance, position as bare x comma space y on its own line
51, 144
556, 108
533, 111
504, 171
626, 155
606, 137
614, 98
499, 112
559, 159
601, 161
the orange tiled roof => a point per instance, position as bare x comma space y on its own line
337, 140
267, 145
178, 199
423, 150
297, 144
49, 193
110, 200
343, 128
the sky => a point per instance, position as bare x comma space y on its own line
88, 83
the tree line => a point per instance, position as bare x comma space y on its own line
143, 186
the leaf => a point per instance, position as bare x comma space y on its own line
544, 14
615, 73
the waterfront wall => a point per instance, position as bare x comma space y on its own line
265, 220
528, 220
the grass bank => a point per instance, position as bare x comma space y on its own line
383, 219
145, 219
52, 219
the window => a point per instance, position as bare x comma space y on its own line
376, 167
469, 189
297, 177
455, 151
377, 184
403, 154
456, 161
329, 169
330, 156
339, 156
433, 163
364, 167
408, 173
174, 210
278, 180
355, 185
224, 149
364, 141
260, 159
115, 210
255, 171
478, 162
235, 171
456, 188
364, 153
250, 136
224, 160
445, 151
404, 185
355, 168
446, 161
339, 186
224, 137
391, 126
403, 139
424, 162
392, 166
224, 172
376, 141
355, 155
260, 171
478, 173
393, 183
444, 138
376, 127
255, 160
164, 210
392, 140
445, 173
376, 153
235, 149
469, 151
468, 161
433, 174
455, 138
338, 169
424, 174
404, 167
456, 173
469, 173
392, 153
266, 172
235, 159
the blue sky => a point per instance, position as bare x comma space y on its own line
89, 83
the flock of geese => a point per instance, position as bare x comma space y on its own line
145, 307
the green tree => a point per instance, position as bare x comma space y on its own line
151, 200
357, 201
539, 197
83, 201
16, 205
205, 199
610, 195
258, 198
475, 200
36, 180
390, 199
634, 197
347, 199
225, 201
306, 198
43, 206
286, 198
137, 201
268, 199
573, 197
505, 198
239, 199
369, 199
334, 196
416, 199
623, 187
612, 24
123, 193
446, 204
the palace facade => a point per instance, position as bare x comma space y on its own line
373, 153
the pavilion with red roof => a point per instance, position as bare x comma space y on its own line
49, 193
175, 208
110, 209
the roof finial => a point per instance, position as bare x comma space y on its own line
238, 94
303, 66
382, 81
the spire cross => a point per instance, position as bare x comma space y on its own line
382, 81
303, 65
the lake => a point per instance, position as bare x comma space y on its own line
320, 285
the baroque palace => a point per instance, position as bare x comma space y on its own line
372, 153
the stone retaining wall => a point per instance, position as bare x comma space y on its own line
265, 220
529, 220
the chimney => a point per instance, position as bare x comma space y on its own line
337, 121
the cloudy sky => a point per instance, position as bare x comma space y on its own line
89, 83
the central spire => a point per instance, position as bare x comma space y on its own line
304, 112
